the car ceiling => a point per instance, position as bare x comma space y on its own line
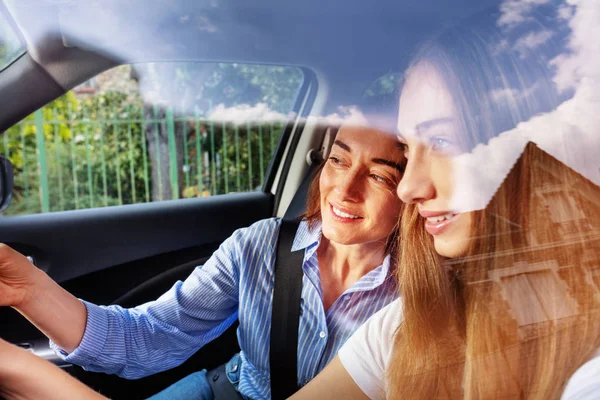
348, 42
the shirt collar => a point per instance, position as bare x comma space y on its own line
307, 238
383, 271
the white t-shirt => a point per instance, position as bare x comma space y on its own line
367, 353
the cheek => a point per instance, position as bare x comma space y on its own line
464, 234
388, 210
442, 178
324, 183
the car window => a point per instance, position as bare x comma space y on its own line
11, 47
151, 132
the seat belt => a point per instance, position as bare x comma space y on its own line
285, 320
285, 315
287, 289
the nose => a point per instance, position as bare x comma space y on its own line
416, 185
348, 186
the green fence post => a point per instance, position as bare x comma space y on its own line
73, 158
25, 173
238, 170
88, 155
118, 162
172, 154
249, 134
199, 155
103, 159
186, 156
261, 156
131, 166
225, 166
158, 161
61, 197
41, 156
214, 157
145, 157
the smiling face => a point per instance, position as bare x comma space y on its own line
429, 128
357, 187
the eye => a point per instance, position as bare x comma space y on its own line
403, 146
381, 179
335, 160
439, 144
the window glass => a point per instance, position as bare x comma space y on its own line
150, 132
11, 47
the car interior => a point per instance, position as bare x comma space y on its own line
133, 253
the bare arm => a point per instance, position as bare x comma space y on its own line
25, 376
333, 382
53, 310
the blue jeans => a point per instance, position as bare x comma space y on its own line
196, 387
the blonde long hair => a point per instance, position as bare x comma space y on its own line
520, 312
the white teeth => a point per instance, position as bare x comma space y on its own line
342, 214
440, 218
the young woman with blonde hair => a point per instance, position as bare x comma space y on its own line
499, 263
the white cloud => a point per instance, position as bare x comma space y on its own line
571, 132
352, 115
584, 59
347, 115
514, 12
246, 113
504, 94
510, 95
531, 41
564, 12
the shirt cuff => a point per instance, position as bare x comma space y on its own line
94, 337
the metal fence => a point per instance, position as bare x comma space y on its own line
78, 158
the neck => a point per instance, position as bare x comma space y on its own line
350, 260
341, 266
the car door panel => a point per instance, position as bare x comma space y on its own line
73, 243
129, 255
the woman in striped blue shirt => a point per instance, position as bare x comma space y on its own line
347, 238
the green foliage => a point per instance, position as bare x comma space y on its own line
385, 85
98, 154
89, 157
240, 160
95, 155
245, 84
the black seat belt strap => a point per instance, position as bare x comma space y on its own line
285, 317
287, 291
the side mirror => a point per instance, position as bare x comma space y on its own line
6, 183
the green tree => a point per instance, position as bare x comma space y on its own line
112, 148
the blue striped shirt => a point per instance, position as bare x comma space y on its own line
235, 283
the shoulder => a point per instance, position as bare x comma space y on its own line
366, 354
585, 382
265, 225
260, 232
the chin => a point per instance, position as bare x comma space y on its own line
451, 248
334, 237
